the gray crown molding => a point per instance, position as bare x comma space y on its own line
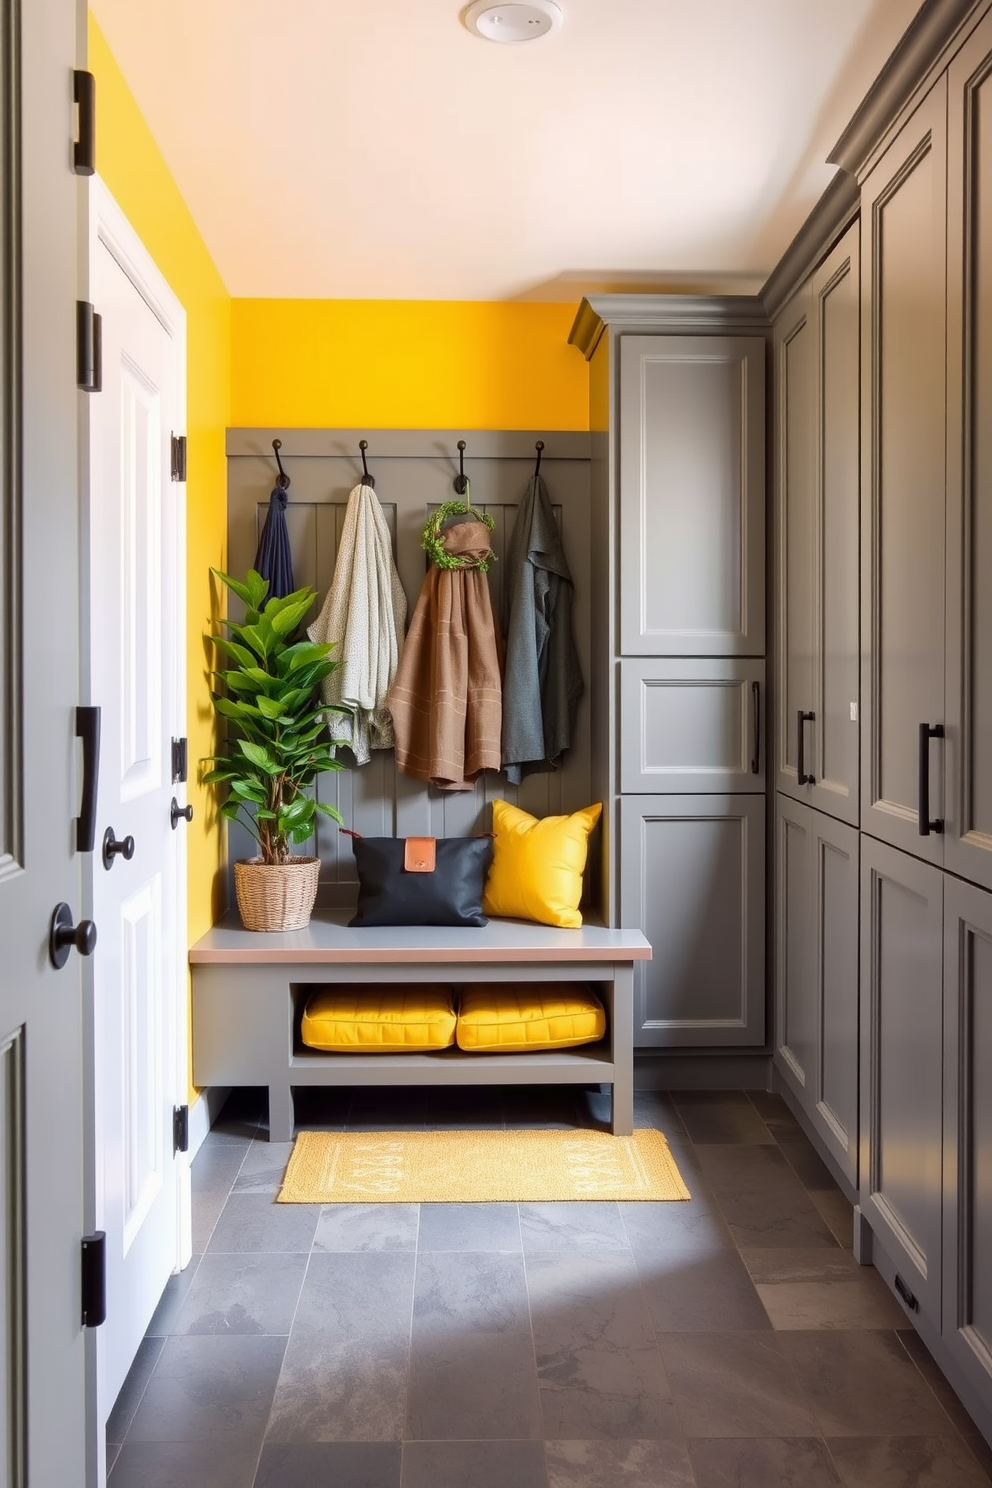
833, 213
400, 444
935, 26
664, 314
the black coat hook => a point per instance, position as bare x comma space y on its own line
461, 483
283, 479
539, 446
367, 480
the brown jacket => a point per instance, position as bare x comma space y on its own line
446, 700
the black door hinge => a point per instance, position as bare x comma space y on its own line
89, 348
179, 761
179, 457
94, 1279
84, 148
906, 1295
180, 1129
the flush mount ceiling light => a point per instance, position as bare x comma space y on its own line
513, 22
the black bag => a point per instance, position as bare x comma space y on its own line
421, 880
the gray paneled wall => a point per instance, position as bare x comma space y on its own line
413, 471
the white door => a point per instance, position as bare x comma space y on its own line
42, 1353
136, 674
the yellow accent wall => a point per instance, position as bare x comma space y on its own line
134, 169
406, 364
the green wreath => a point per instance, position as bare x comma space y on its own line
431, 538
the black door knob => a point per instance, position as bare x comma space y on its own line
180, 813
111, 847
63, 935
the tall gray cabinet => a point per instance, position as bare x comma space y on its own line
816, 744
910, 765
678, 498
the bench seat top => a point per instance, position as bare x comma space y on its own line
329, 939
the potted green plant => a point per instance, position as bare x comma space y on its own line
276, 746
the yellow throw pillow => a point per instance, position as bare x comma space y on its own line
537, 866
379, 1020
504, 1019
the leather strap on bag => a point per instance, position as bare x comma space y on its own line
420, 854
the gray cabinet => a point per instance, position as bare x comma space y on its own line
968, 800
817, 353
901, 1070
816, 930
691, 724
692, 496
967, 1319
692, 872
903, 324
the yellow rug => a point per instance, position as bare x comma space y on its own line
478, 1167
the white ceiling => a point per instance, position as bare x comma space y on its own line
376, 149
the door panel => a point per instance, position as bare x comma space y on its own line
692, 498
836, 660
134, 651
691, 725
41, 1109
795, 367
968, 846
901, 1034
967, 1324
692, 878
795, 1053
834, 1090
903, 349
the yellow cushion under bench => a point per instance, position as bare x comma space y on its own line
501, 1018
379, 1020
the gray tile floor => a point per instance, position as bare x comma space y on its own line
731, 1342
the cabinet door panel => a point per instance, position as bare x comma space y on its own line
692, 496
901, 1085
968, 846
795, 1053
834, 885
903, 348
692, 877
795, 370
691, 725
967, 1323
836, 291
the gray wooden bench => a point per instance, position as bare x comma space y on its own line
249, 991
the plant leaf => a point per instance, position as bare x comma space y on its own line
259, 756
270, 708
328, 810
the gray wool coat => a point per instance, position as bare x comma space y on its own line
542, 681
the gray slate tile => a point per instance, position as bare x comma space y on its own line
608, 1464
344, 1377
113, 1452
173, 1297
469, 1464
208, 1389
469, 1292
906, 1462
314, 1464
133, 1388
773, 1110
806, 1163
445, 1227
932, 1373
838, 1213
569, 1227
775, 1462
697, 1227
473, 1387
264, 1167
702, 1293
256, 1223
242, 1294
718, 1117
736, 1384
358, 1227
170, 1464
599, 1366
761, 1198
863, 1383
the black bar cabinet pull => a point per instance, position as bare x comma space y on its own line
88, 729
756, 696
928, 731
84, 149
801, 777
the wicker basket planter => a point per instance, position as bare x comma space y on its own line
276, 896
